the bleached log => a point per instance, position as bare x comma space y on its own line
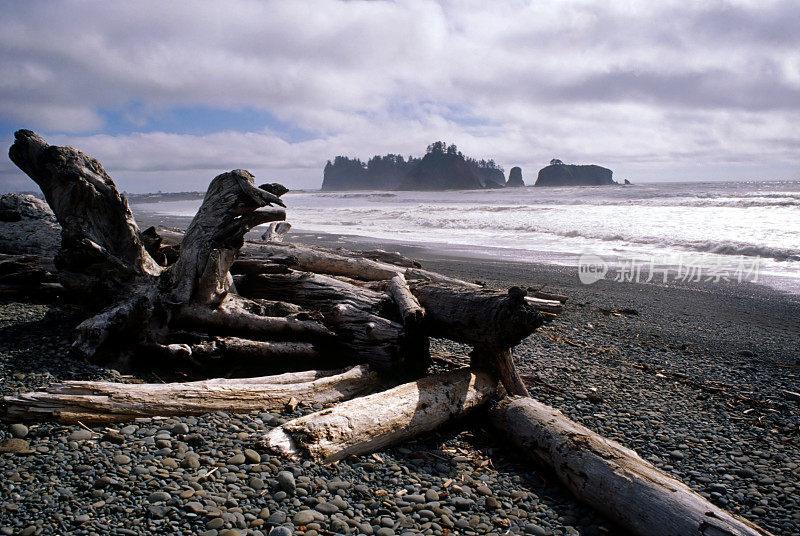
312, 291
320, 261
106, 402
357, 315
370, 423
260, 353
545, 295
611, 478
409, 308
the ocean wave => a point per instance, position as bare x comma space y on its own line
358, 195
703, 246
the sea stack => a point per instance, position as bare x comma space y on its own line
560, 174
515, 177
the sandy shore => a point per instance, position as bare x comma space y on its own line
694, 377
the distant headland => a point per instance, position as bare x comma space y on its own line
444, 167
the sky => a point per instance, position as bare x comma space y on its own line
166, 95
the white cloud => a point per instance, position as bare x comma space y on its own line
643, 87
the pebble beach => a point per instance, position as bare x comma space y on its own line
697, 379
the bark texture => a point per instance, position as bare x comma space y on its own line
100, 243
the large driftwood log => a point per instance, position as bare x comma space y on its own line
198, 286
101, 248
106, 402
612, 478
369, 423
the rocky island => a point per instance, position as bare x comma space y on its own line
443, 167
560, 174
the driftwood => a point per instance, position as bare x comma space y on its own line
106, 402
367, 325
373, 422
408, 306
101, 250
323, 261
612, 478
287, 305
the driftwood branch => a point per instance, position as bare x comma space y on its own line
408, 306
612, 478
106, 402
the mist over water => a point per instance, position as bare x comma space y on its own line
715, 223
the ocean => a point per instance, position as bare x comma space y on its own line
651, 232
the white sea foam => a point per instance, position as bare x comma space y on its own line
716, 220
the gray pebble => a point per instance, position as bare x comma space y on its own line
180, 429
158, 496
18, 430
80, 435
280, 531
121, 459
303, 517
286, 481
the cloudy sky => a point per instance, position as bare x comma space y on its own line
168, 94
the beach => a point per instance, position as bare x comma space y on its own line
696, 377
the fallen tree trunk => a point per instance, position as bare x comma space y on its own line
369, 423
106, 402
612, 478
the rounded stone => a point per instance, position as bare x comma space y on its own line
286, 481
215, 523
327, 508
280, 531
80, 435
236, 459
303, 517
121, 459
158, 496
251, 456
180, 428
18, 430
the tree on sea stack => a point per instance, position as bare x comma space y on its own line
227, 308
